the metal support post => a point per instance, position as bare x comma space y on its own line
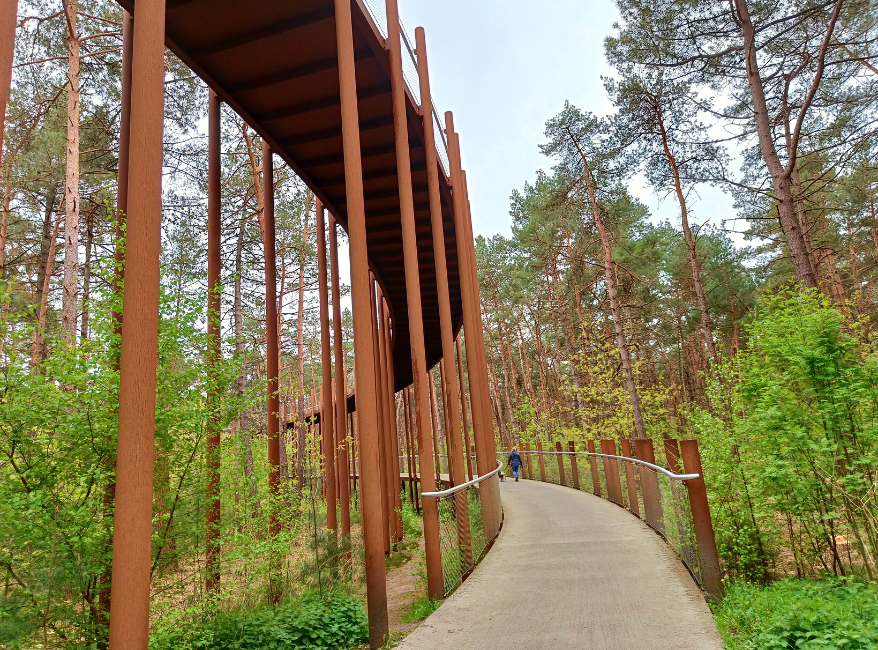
630, 479
463, 413
392, 431
367, 417
132, 534
649, 487
382, 425
574, 465
707, 553
341, 383
542, 461
528, 462
611, 471
561, 474
8, 19
595, 477
326, 419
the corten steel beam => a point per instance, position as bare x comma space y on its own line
611, 470
122, 182
393, 500
433, 553
214, 296
463, 413
574, 465
595, 477
326, 366
341, 432
530, 468
132, 533
8, 19
542, 460
482, 419
409, 448
272, 360
630, 479
382, 424
451, 390
559, 449
707, 553
652, 506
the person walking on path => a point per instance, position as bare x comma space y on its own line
515, 462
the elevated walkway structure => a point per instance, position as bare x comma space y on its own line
571, 571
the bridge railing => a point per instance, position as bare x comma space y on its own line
671, 502
469, 520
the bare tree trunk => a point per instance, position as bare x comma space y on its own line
69, 308
4, 224
38, 346
630, 385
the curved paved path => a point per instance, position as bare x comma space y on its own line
570, 570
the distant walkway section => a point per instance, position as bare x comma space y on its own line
571, 571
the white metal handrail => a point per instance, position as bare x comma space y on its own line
658, 468
463, 486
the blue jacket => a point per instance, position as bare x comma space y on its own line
514, 460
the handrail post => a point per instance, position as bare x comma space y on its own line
542, 461
574, 469
611, 469
649, 487
704, 536
595, 478
529, 465
631, 479
560, 450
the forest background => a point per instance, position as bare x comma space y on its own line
600, 321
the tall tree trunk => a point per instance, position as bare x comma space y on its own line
4, 223
301, 428
69, 308
630, 385
38, 345
86, 276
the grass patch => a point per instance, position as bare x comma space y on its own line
420, 609
312, 623
800, 615
396, 559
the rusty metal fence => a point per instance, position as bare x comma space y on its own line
671, 502
469, 520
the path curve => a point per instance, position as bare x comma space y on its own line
571, 570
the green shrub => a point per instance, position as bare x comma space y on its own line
312, 623
800, 615
420, 609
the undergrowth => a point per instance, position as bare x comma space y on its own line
800, 615
420, 609
312, 623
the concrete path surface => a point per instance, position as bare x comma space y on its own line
571, 570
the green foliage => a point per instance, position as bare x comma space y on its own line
420, 609
311, 623
791, 450
800, 615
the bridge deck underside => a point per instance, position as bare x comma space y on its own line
275, 63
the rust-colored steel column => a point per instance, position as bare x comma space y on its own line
272, 356
542, 461
382, 425
341, 382
392, 432
574, 465
595, 477
672, 454
367, 415
527, 458
483, 427
463, 413
707, 553
8, 19
132, 534
649, 487
433, 553
611, 471
214, 298
409, 449
122, 176
560, 450
326, 421
630, 479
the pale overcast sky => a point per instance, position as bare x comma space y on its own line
506, 66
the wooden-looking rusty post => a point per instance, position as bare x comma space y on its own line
595, 477
542, 460
574, 465
341, 381
463, 413
649, 487
327, 425
214, 297
630, 478
367, 416
392, 431
132, 534
560, 450
611, 471
382, 425
529, 463
707, 553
